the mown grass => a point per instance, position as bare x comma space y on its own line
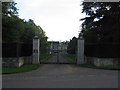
45, 57
24, 68
70, 58
108, 67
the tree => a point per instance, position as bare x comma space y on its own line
72, 46
12, 28
102, 22
28, 32
16, 30
8, 8
12, 25
31, 30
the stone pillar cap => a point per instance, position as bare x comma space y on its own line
36, 37
81, 38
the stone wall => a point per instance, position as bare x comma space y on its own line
16, 62
28, 60
102, 61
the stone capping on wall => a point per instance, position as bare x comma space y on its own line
101, 61
16, 62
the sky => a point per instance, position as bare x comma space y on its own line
58, 18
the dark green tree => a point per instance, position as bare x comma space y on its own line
31, 30
102, 22
9, 8
12, 28
72, 46
28, 32
12, 25
16, 30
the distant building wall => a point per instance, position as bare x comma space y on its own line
58, 46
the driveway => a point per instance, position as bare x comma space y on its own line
57, 59
62, 76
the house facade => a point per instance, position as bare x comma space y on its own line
56, 46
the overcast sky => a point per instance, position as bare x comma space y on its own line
58, 18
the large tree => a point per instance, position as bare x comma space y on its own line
9, 8
12, 28
102, 22
72, 46
16, 30
30, 30
12, 25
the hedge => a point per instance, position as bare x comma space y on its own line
16, 50
102, 50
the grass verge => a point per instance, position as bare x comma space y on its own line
70, 58
24, 68
108, 67
45, 57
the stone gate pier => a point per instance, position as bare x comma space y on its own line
80, 51
36, 51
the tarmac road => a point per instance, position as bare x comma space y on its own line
62, 76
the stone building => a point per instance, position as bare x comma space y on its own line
56, 46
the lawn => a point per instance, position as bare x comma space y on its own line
24, 68
70, 58
45, 57
109, 67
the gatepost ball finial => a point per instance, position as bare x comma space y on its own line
81, 37
36, 37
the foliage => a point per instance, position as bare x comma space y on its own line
101, 23
70, 58
16, 30
102, 50
28, 32
12, 28
8, 8
72, 46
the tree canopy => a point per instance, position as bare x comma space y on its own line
72, 46
102, 22
17, 30
8, 8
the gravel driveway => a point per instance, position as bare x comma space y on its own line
62, 76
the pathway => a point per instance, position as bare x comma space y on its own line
57, 59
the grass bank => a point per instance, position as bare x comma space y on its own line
24, 68
45, 57
108, 67
70, 58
